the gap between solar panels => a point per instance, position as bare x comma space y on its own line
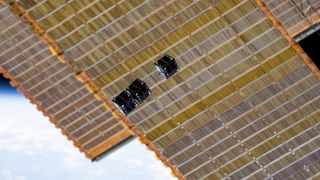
309, 40
307, 60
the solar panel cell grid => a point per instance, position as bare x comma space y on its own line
53, 85
244, 103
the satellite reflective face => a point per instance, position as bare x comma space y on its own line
167, 66
131, 97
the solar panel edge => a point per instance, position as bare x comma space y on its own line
83, 77
16, 85
300, 52
17, 10
127, 123
90, 85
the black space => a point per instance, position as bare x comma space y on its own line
4, 82
311, 45
6, 88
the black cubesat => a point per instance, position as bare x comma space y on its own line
132, 96
125, 102
140, 90
167, 66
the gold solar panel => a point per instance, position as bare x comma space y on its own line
27, 61
244, 104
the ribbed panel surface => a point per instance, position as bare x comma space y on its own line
54, 87
243, 105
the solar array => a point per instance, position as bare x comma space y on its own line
243, 104
295, 15
54, 89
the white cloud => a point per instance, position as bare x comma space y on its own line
32, 145
8, 175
